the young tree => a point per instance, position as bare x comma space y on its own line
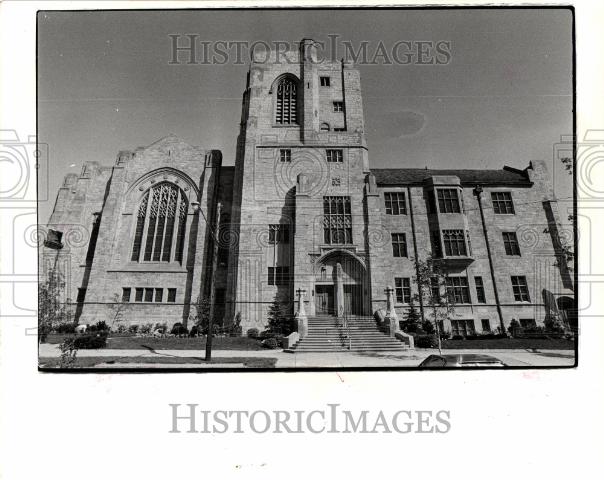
52, 310
279, 321
431, 281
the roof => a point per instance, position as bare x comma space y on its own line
406, 176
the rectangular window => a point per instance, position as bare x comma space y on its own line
458, 290
325, 81
278, 275
278, 233
138, 294
81, 295
159, 294
510, 242
448, 200
480, 296
502, 202
455, 243
337, 220
285, 155
399, 245
126, 294
171, 295
403, 290
335, 156
395, 203
338, 106
520, 288
148, 294
528, 323
463, 327
339, 129
485, 324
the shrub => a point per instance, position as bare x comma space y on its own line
162, 327
270, 343
514, 328
179, 329
195, 331
133, 329
121, 329
428, 327
88, 341
253, 333
146, 328
426, 341
66, 327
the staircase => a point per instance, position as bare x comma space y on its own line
328, 334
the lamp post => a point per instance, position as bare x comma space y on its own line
301, 318
391, 315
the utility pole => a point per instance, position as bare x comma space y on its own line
215, 237
478, 193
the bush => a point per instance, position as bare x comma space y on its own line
146, 328
426, 341
133, 329
179, 329
161, 327
88, 341
270, 343
195, 331
121, 329
428, 327
66, 327
253, 333
100, 326
514, 328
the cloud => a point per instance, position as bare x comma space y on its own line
402, 124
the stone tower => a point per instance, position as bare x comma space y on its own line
298, 219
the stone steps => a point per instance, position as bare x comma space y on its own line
328, 334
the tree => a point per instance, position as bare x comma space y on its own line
412, 319
201, 319
431, 280
117, 307
279, 321
52, 311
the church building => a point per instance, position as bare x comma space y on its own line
302, 214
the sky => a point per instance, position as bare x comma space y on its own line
505, 97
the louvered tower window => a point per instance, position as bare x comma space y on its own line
287, 111
160, 225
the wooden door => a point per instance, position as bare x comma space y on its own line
324, 299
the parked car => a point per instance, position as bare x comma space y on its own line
461, 360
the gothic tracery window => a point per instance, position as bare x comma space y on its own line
160, 225
286, 112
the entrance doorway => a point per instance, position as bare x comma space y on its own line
353, 299
324, 300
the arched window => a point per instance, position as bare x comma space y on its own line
325, 127
286, 112
160, 225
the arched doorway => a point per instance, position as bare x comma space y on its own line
341, 286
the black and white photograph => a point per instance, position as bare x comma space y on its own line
228, 190
301, 239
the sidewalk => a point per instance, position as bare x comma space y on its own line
411, 358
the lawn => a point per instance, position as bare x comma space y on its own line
127, 342
88, 362
509, 343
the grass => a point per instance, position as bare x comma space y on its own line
88, 362
510, 343
172, 343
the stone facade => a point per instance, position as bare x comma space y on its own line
302, 210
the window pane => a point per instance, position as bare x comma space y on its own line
171, 295
126, 294
159, 293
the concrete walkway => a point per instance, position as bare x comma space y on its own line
410, 358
